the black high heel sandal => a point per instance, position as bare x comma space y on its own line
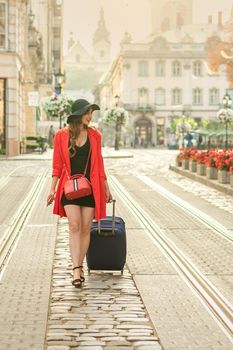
82, 278
77, 283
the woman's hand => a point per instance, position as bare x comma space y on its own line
51, 197
108, 196
107, 193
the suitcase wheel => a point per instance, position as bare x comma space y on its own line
122, 271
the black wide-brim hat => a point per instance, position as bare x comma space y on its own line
80, 107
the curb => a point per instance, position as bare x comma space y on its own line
211, 183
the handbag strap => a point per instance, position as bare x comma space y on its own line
85, 170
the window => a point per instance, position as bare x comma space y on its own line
197, 96
143, 69
78, 58
176, 96
142, 97
3, 24
197, 69
176, 69
213, 96
102, 54
160, 96
160, 69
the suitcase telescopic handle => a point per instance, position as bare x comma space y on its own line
113, 218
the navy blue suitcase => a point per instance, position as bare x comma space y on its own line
107, 249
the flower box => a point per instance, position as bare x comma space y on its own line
185, 163
178, 161
223, 177
192, 166
201, 169
212, 173
231, 180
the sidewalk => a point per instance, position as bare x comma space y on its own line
203, 179
48, 155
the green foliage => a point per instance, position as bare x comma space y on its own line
189, 122
115, 114
57, 105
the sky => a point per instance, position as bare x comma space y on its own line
81, 18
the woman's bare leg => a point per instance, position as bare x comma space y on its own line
74, 217
87, 215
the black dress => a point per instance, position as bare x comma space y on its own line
77, 164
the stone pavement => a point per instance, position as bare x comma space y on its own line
111, 312
107, 313
107, 153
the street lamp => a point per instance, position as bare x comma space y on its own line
118, 125
59, 80
225, 115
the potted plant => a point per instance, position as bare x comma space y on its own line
193, 161
184, 156
210, 163
178, 160
223, 167
200, 157
229, 161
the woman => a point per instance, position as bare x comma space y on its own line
71, 150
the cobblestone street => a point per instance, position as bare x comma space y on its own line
152, 306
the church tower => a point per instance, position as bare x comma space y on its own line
170, 15
101, 45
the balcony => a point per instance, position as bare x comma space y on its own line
136, 107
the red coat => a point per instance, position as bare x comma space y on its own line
97, 173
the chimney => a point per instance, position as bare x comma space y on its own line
209, 19
220, 19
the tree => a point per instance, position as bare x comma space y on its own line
220, 53
116, 117
58, 106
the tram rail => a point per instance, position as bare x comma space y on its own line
196, 213
16, 225
218, 306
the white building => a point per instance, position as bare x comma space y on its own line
27, 61
83, 68
167, 75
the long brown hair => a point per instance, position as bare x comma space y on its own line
74, 131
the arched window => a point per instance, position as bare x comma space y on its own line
197, 69
214, 96
176, 69
160, 69
143, 69
160, 96
142, 97
176, 96
197, 96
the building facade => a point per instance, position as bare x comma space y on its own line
166, 76
26, 66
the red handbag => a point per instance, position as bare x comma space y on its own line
77, 185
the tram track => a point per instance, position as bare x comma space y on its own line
218, 306
17, 223
188, 208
